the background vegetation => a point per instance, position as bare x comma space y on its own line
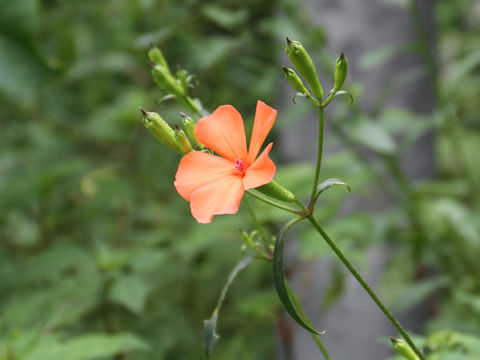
100, 258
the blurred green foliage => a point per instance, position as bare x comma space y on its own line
100, 258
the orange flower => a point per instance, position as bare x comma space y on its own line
215, 185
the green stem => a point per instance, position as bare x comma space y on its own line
311, 204
322, 347
268, 201
329, 99
301, 206
263, 236
188, 102
364, 284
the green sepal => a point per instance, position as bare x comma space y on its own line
304, 64
346, 93
189, 126
160, 129
286, 296
211, 337
403, 349
182, 140
341, 70
329, 183
276, 191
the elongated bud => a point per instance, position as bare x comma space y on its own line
295, 80
166, 81
182, 140
403, 349
341, 70
277, 191
189, 126
155, 55
160, 129
304, 64
182, 77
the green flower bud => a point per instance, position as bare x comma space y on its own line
182, 77
182, 140
403, 349
189, 126
276, 191
166, 81
341, 70
295, 80
155, 55
160, 129
304, 64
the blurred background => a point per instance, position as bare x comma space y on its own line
100, 257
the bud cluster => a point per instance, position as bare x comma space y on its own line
304, 65
176, 139
174, 85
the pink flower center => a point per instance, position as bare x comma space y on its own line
239, 166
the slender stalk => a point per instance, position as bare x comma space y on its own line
311, 204
188, 102
322, 347
329, 99
301, 206
268, 201
364, 284
257, 224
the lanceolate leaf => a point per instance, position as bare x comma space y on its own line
211, 337
329, 183
283, 289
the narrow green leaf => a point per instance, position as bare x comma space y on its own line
287, 297
211, 337
329, 183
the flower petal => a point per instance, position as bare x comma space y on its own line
261, 172
264, 119
198, 169
223, 132
222, 196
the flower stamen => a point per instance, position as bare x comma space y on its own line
239, 166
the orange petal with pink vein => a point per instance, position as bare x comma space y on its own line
223, 132
222, 196
264, 119
261, 172
198, 169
